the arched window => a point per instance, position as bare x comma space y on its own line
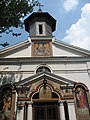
43, 68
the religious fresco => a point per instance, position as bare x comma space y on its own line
45, 93
81, 101
67, 92
6, 100
41, 49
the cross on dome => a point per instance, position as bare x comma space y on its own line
39, 5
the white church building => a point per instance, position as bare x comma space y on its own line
43, 78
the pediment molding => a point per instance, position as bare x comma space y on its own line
45, 75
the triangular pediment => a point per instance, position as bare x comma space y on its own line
45, 75
21, 49
63, 49
59, 48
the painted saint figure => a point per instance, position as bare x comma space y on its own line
81, 101
6, 104
81, 98
6, 114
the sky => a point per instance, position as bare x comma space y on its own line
72, 26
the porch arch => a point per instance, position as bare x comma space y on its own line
41, 93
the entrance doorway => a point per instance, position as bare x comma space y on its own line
46, 111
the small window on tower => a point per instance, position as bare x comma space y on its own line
40, 29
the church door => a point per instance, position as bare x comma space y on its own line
45, 111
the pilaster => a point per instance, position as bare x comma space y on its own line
62, 114
29, 115
71, 110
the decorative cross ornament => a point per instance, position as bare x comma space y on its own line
39, 5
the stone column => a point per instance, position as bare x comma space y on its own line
71, 110
20, 113
29, 116
13, 104
61, 108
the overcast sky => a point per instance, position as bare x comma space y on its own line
73, 22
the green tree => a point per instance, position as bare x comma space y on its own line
11, 12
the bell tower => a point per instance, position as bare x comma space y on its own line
40, 26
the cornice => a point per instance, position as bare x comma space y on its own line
23, 43
69, 46
48, 76
40, 38
39, 60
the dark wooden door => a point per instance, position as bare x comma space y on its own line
45, 111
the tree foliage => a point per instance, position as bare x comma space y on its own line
11, 12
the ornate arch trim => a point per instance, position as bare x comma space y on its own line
41, 85
81, 84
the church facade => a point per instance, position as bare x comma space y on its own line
43, 78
